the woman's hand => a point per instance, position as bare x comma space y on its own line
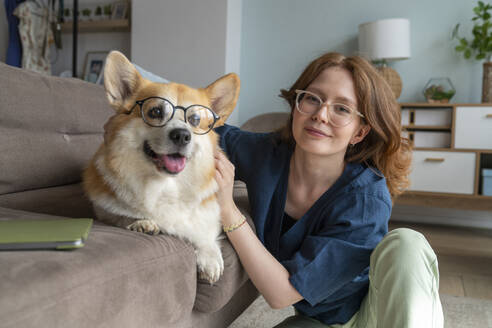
224, 175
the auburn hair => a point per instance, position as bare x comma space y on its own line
383, 147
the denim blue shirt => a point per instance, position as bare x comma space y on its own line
327, 251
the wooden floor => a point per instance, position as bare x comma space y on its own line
464, 256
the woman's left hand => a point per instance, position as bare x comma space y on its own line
224, 175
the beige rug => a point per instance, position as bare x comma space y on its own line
459, 312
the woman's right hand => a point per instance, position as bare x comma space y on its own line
224, 175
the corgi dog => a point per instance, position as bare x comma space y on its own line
155, 170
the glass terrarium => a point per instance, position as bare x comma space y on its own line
439, 90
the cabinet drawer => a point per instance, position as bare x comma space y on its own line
473, 128
447, 172
434, 116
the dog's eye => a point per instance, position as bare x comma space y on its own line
155, 113
194, 119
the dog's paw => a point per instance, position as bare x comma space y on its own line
210, 263
146, 226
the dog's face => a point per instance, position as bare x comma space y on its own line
164, 126
170, 123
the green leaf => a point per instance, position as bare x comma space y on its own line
476, 32
479, 46
454, 34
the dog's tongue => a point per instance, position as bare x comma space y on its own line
173, 163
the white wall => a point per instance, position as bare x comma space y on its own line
188, 41
233, 48
280, 37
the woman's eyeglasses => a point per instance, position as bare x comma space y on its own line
340, 115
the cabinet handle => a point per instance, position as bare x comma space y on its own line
434, 159
488, 116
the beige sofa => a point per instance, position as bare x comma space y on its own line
49, 129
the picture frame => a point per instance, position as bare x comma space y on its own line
119, 10
94, 66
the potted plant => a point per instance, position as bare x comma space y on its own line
439, 90
67, 15
98, 13
480, 46
86, 14
107, 11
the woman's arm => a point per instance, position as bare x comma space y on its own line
267, 274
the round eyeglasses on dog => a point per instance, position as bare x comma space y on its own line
339, 114
157, 111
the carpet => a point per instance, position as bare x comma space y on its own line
459, 312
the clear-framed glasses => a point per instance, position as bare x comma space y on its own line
157, 111
339, 114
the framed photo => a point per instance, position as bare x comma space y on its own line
119, 10
94, 66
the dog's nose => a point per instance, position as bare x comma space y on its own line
180, 137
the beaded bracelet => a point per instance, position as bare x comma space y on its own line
235, 226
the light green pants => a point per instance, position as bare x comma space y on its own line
403, 287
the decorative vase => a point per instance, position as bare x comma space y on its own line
439, 90
487, 82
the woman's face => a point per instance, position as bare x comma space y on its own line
314, 133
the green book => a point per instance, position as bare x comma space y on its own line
44, 234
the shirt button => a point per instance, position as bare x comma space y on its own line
66, 137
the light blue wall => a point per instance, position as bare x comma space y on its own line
280, 37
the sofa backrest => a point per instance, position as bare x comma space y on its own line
267, 122
49, 128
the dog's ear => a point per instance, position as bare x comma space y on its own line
223, 95
121, 79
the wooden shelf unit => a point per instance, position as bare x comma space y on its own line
107, 25
445, 195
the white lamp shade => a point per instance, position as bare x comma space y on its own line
387, 39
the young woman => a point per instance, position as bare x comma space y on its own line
321, 195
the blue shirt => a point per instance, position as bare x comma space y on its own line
327, 251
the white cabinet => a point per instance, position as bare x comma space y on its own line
452, 145
473, 127
443, 172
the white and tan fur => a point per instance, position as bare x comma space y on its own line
125, 186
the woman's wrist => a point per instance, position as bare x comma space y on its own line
235, 226
232, 218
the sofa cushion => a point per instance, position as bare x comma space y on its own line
68, 200
50, 128
120, 278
